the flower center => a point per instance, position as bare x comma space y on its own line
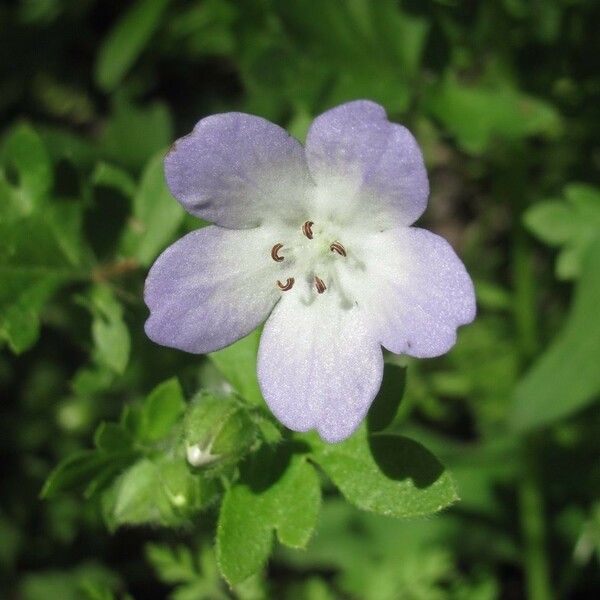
313, 254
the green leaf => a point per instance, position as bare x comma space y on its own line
19, 319
112, 437
161, 410
551, 221
387, 474
572, 224
238, 364
126, 41
109, 332
277, 491
111, 176
134, 134
160, 493
76, 470
566, 378
173, 565
156, 215
218, 431
25, 152
477, 115
91, 469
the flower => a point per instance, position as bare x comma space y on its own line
317, 241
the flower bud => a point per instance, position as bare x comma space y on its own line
218, 431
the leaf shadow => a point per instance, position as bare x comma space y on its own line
400, 458
268, 464
386, 403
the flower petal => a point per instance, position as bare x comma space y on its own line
362, 160
238, 170
211, 288
416, 289
319, 367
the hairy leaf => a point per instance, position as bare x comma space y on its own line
277, 491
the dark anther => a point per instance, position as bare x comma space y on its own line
307, 229
274, 252
320, 285
337, 247
288, 285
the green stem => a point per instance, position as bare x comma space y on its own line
531, 500
533, 527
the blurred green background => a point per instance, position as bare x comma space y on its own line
504, 98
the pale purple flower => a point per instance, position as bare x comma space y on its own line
317, 241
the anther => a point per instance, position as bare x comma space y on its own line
337, 247
320, 285
288, 285
274, 252
307, 229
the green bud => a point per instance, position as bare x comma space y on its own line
218, 431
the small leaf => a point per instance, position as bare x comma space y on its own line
161, 410
126, 41
26, 153
108, 175
478, 114
134, 134
572, 224
19, 321
218, 431
551, 221
238, 364
277, 491
74, 471
111, 437
160, 493
109, 332
566, 378
156, 215
173, 565
387, 474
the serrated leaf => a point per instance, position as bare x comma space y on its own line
156, 215
160, 411
566, 378
238, 364
126, 41
277, 491
387, 474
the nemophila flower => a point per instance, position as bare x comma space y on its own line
315, 240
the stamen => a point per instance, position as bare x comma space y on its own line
320, 285
274, 250
307, 229
337, 247
288, 285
